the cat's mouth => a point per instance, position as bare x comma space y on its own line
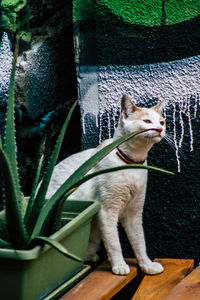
153, 133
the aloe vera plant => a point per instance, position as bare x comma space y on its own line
29, 222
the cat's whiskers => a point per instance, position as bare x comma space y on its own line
169, 139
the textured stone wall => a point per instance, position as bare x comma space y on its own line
151, 53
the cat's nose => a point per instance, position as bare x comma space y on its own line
160, 129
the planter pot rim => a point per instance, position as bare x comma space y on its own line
93, 207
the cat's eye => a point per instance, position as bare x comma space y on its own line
162, 123
147, 121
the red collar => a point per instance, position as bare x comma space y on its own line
127, 159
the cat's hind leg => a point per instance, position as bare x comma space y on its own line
108, 224
94, 242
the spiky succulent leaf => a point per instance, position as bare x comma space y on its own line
40, 198
8, 160
4, 244
15, 224
10, 140
32, 195
59, 247
54, 220
119, 168
1, 146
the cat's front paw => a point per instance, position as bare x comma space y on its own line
153, 268
121, 269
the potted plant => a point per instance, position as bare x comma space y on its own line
43, 242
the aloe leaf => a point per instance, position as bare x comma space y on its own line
54, 219
33, 192
59, 247
119, 168
40, 198
56, 213
15, 224
78, 175
10, 141
1, 147
4, 244
8, 162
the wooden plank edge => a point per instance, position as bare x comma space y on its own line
187, 288
116, 283
148, 288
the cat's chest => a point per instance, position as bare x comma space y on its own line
133, 180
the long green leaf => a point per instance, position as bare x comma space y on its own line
119, 168
8, 161
40, 198
4, 244
1, 147
59, 247
16, 229
10, 141
32, 195
78, 175
54, 220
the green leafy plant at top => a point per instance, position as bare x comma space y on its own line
31, 221
15, 15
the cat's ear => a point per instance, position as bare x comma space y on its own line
127, 107
159, 107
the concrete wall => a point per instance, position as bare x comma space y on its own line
151, 53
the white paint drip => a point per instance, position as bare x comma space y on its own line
109, 126
175, 138
182, 126
83, 124
196, 96
190, 124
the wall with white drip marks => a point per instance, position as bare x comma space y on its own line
118, 54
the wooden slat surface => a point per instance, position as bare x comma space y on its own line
157, 286
187, 289
101, 283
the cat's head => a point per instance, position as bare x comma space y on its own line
139, 118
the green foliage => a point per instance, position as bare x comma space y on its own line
8, 162
15, 16
34, 221
57, 246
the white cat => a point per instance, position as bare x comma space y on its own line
121, 193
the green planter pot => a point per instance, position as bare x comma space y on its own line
34, 274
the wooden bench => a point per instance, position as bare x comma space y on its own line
158, 286
188, 288
101, 284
